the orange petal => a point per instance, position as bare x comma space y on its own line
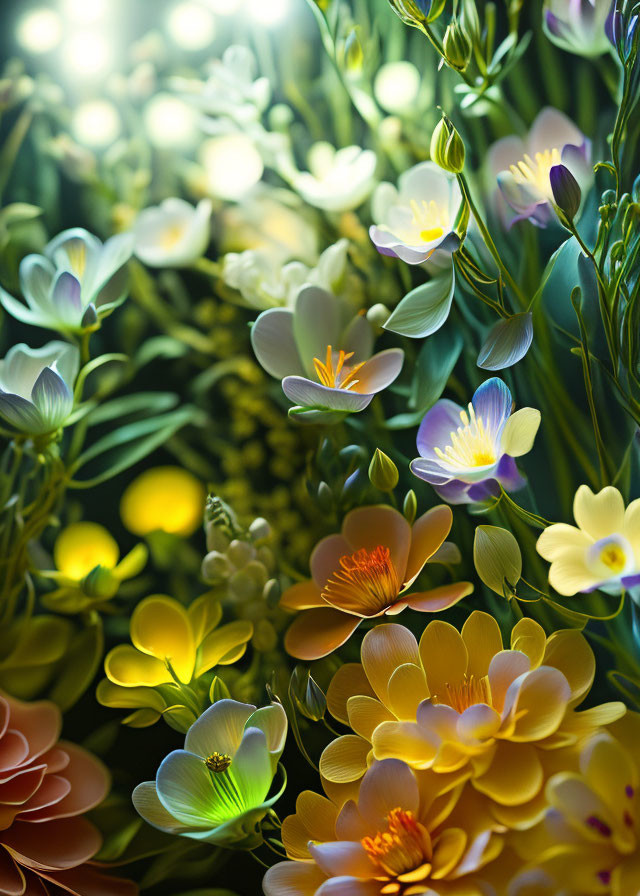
325, 558
427, 534
316, 633
302, 596
370, 527
438, 598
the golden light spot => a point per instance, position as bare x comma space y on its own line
536, 170
77, 255
402, 851
472, 444
468, 692
218, 762
613, 557
366, 582
166, 499
333, 372
81, 547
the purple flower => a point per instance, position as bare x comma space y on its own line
467, 454
322, 354
523, 167
578, 26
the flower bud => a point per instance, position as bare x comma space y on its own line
308, 697
447, 148
566, 191
353, 55
457, 46
383, 473
410, 506
378, 315
218, 690
418, 12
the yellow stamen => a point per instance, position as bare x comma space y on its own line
468, 692
402, 851
218, 762
430, 218
472, 444
613, 557
365, 583
171, 236
536, 170
338, 376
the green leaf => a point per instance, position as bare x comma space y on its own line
507, 342
81, 663
434, 366
141, 403
497, 559
425, 309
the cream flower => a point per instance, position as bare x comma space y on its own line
172, 234
603, 551
338, 180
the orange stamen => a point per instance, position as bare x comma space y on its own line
468, 692
403, 850
332, 376
365, 583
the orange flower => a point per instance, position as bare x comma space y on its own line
362, 573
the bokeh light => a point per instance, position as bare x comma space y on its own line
396, 86
170, 122
40, 31
191, 25
270, 13
96, 123
87, 53
233, 165
224, 7
86, 11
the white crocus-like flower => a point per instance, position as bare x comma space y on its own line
266, 283
578, 26
172, 234
337, 180
77, 281
36, 386
417, 219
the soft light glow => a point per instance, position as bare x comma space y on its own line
170, 123
40, 31
166, 499
224, 7
86, 10
191, 25
87, 53
233, 165
396, 86
269, 13
96, 123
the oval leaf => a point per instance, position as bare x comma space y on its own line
425, 308
497, 559
507, 343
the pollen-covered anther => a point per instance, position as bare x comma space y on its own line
402, 851
536, 170
333, 372
218, 762
366, 582
469, 692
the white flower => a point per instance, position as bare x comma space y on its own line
578, 26
418, 218
337, 180
172, 234
77, 281
36, 386
266, 283
269, 219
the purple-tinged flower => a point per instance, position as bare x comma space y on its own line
467, 454
323, 356
578, 26
622, 28
418, 218
523, 167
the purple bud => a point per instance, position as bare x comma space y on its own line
566, 191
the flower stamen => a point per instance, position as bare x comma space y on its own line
218, 762
471, 445
337, 376
402, 851
365, 583
468, 692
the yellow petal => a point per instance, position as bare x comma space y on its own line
345, 759
520, 431
515, 775
204, 614
481, 635
225, 645
128, 667
601, 514
295, 838
160, 627
365, 714
556, 539
444, 656
570, 652
539, 704
317, 814
570, 574
113, 695
631, 529
403, 740
168, 499
529, 638
384, 648
133, 563
348, 681
407, 689
447, 852
81, 547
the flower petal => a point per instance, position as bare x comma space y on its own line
520, 431
371, 527
481, 635
444, 656
380, 371
599, 514
384, 649
274, 345
493, 402
160, 627
307, 394
438, 599
345, 759
427, 535
220, 727
515, 775
387, 785
292, 879
128, 667
316, 633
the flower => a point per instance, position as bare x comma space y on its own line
163, 499
47, 785
77, 281
172, 234
173, 648
405, 832
337, 180
88, 567
215, 790
363, 573
36, 386
266, 283
418, 218
577, 26
467, 455
589, 839
603, 551
324, 361
461, 701
523, 167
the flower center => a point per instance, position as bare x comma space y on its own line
429, 218
365, 583
402, 851
472, 444
333, 373
171, 236
468, 692
613, 557
218, 762
536, 170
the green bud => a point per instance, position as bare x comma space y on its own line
100, 583
325, 497
307, 695
447, 148
457, 46
353, 55
383, 473
218, 690
378, 315
418, 12
410, 506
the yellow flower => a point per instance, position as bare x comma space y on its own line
172, 648
460, 701
589, 841
166, 499
88, 567
603, 551
406, 832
